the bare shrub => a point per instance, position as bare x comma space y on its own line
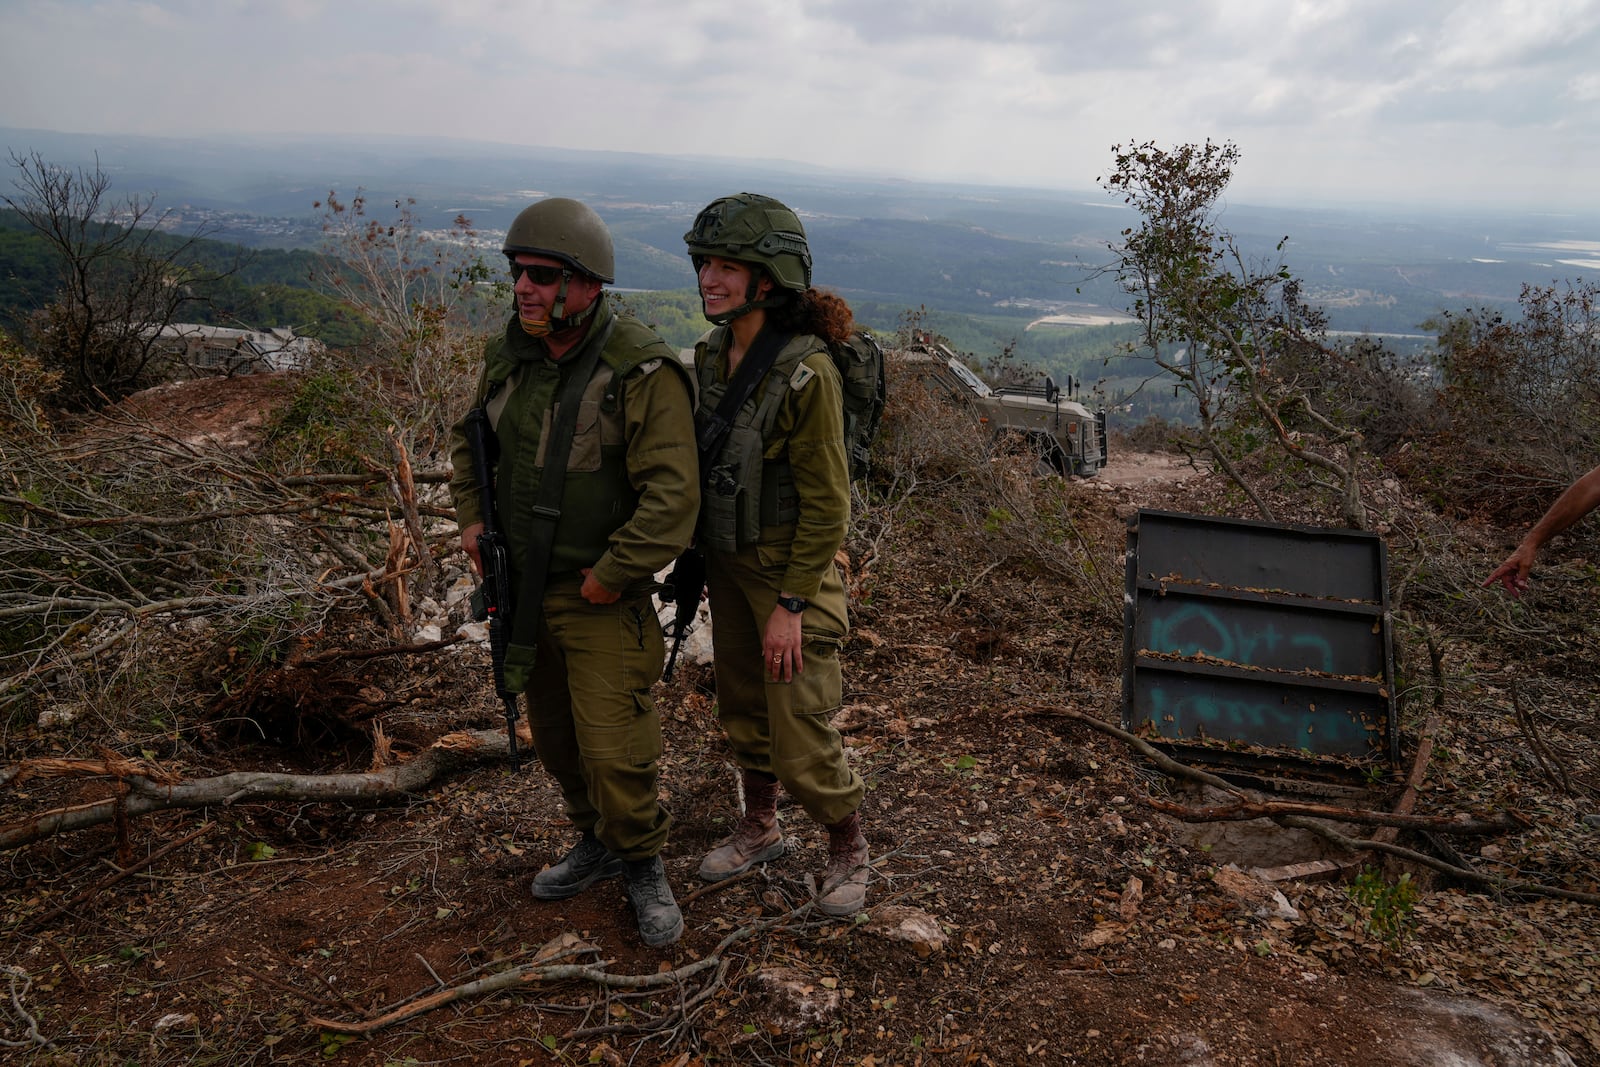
131, 538
147, 565
939, 471
121, 278
1153, 434
1519, 412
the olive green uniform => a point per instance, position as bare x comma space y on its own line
803, 504
628, 508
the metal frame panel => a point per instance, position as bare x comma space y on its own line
1258, 644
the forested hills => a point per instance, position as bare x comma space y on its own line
987, 267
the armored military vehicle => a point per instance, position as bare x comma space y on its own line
1067, 436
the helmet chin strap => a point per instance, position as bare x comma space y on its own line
558, 322
750, 303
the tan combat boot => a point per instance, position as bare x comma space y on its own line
756, 839
844, 880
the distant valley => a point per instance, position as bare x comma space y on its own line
983, 262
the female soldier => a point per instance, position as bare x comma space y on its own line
774, 511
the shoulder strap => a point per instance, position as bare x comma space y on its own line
763, 353
547, 506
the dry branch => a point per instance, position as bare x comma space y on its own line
1284, 817
145, 794
109, 765
544, 970
527, 974
1504, 885
1267, 809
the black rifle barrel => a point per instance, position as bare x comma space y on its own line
495, 560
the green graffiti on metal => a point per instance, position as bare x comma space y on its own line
1193, 715
1195, 629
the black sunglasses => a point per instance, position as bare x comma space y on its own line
538, 274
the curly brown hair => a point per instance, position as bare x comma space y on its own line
815, 311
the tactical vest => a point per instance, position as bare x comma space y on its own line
744, 491
597, 497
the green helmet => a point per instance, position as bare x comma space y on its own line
566, 230
754, 229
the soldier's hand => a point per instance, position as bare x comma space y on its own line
780, 646
594, 592
1512, 574
469, 545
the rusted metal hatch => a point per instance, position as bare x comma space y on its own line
1257, 644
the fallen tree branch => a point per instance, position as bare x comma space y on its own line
1163, 762
1424, 753
527, 974
352, 655
447, 755
1267, 809
1302, 822
543, 969
1504, 885
20, 982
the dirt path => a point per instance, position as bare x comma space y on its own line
1146, 468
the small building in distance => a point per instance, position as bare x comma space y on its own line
222, 350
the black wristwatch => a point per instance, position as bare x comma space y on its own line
795, 604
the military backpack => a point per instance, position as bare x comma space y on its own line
859, 360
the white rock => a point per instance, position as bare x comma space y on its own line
459, 590
911, 926
59, 715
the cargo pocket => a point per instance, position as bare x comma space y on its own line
775, 547
644, 740
586, 438
643, 649
819, 689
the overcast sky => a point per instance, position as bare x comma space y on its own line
1328, 100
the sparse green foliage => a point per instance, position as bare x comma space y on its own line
1236, 336
314, 429
674, 314
1388, 904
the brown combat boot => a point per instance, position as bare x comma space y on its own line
756, 839
844, 880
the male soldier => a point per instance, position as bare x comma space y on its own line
627, 509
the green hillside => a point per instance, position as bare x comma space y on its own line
256, 288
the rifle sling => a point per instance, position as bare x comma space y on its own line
552, 481
763, 353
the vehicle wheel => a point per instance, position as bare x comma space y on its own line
1053, 459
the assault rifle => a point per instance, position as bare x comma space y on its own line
494, 600
683, 585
